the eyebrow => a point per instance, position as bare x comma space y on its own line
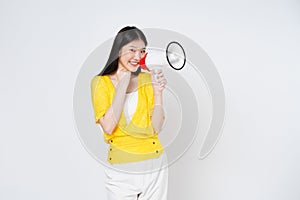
136, 47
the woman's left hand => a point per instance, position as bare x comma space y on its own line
158, 81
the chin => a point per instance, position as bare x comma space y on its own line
136, 71
133, 69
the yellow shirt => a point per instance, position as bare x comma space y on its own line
136, 140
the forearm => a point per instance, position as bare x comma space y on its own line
158, 113
113, 113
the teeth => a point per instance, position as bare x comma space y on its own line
134, 63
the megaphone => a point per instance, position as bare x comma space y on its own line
174, 56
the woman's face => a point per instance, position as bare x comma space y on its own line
131, 54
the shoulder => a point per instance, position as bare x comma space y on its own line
146, 83
98, 81
145, 78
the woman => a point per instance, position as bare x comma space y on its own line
128, 105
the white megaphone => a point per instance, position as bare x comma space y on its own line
174, 55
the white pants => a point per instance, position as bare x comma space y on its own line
144, 180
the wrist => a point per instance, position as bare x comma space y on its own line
158, 100
158, 94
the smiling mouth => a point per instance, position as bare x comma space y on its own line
134, 63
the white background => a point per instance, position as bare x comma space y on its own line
254, 45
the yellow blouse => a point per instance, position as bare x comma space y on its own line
136, 140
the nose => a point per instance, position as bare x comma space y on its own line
137, 55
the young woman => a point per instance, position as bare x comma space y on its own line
128, 105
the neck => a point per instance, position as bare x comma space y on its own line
118, 74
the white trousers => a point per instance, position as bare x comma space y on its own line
143, 180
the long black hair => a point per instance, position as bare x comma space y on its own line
124, 36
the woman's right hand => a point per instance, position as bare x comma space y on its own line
124, 77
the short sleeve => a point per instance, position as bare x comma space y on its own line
100, 97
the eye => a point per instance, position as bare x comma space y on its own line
132, 50
143, 51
